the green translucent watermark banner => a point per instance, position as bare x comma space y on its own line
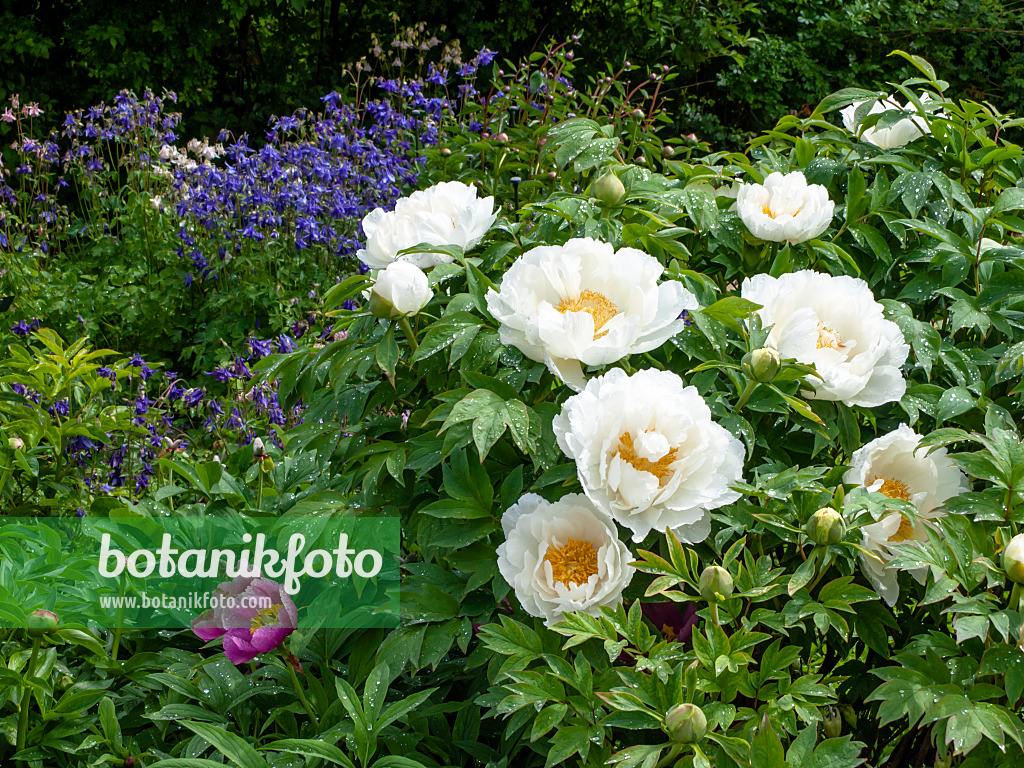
162, 573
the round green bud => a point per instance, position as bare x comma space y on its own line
15, 443
668, 151
1013, 559
762, 364
686, 723
609, 189
826, 526
715, 584
40, 623
832, 723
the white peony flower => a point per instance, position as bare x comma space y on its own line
648, 454
898, 135
401, 289
894, 465
448, 213
584, 303
562, 557
785, 208
836, 324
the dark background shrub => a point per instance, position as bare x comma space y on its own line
740, 63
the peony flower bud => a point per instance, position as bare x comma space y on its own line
41, 623
609, 189
715, 584
552, 175
502, 138
1013, 559
446, 152
832, 723
686, 723
401, 289
826, 526
15, 443
668, 151
257, 448
762, 364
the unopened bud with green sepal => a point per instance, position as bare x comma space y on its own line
1013, 559
609, 189
826, 526
715, 584
686, 723
832, 723
763, 364
41, 622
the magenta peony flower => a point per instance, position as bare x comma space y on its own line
673, 621
253, 615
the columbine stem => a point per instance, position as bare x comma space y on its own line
26, 697
403, 323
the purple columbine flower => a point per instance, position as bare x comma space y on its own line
23, 328
220, 373
261, 348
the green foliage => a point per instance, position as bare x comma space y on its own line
435, 419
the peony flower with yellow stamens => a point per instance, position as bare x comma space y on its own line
836, 324
584, 303
894, 465
785, 208
563, 556
648, 453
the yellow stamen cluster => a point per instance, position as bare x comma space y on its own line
827, 338
264, 616
895, 489
661, 469
597, 305
574, 563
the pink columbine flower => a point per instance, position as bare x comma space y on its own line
32, 110
7, 116
253, 615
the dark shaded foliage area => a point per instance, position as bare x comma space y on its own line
740, 63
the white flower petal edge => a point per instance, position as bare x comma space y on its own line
897, 135
584, 303
648, 453
893, 464
563, 556
448, 213
785, 208
836, 324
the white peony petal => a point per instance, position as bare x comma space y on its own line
584, 303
